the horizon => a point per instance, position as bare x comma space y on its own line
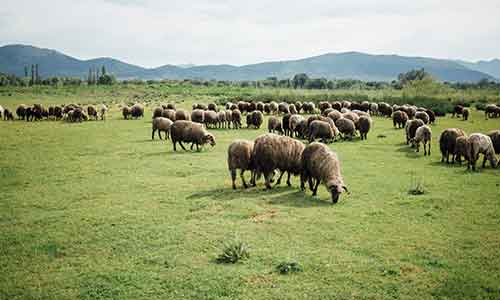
151, 33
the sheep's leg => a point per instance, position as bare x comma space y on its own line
302, 181
182, 146
159, 134
243, 178
484, 161
429, 149
288, 180
315, 191
279, 179
174, 142
153, 134
268, 176
233, 177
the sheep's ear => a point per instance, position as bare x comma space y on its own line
345, 188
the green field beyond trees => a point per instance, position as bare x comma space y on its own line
97, 210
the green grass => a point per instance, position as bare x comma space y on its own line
99, 211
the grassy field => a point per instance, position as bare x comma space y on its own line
99, 211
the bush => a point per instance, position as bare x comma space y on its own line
233, 252
289, 267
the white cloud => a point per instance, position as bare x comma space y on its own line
153, 33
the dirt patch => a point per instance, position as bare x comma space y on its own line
261, 217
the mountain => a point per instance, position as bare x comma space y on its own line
347, 65
491, 67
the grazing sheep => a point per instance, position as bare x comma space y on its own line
171, 106
308, 107
465, 114
447, 143
221, 119
102, 111
322, 130
337, 105
495, 139
346, 104
423, 135
1, 112
374, 108
157, 112
462, 148
92, 112
295, 120
257, 119
481, 144
285, 123
190, 132
181, 114
323, 105
239, 156
236, 116
7, 115
422, 115
274, 124
228, 105
432, 116
364, 125
169, 114
298, 106
399, 119
272, 151
137, 111
212, 106
21, 111
411, 128
252, 106
283, 108
273, 106
267, 108
320, 164
198, 116
327, 111
385, 109
161, 124
77, 115
351, 116
491, 111
125, 112
292, 109
260, 106
229, 118
210, 118
346, 127
457, 110
335, 115
242, 106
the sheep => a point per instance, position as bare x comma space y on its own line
1, 112
210, 118
228, 105
171, 106
283, 108
161, 124
242, 106
239, 156
365, 106
92, 112
327, 111
491, 110
385, 109
272, 151
465, 114
236, 117
351, 116
252, 106
273, 107
457, 110
102, 111
346, 127
125, 112
294, 123
335, 115
200, 106
346, 104
495, 139
399, 119
323, 105
298, 106
229, 118
169, 114
424, 135
462, 148
260, 106
21, 111
422, 115
137, 110
320, 164
447, 143
285, 123
481, 144
308, 107
364, 125
198, 116
157, 112
432, 116
212, 106
337, 105
411, 128
267, 108
221, 119
181, 114
7, 115
257, 119
374, 108
274, 124
292, 109
322, 130
190, 132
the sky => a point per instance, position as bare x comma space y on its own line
152, 33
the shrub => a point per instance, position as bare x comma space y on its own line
289, 267
416, 185
233, 252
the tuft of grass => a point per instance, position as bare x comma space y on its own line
416, 185
289, 267
233, 252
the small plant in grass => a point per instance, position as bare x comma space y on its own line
233, 252
289, 267
416, 185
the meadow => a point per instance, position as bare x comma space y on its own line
97, 210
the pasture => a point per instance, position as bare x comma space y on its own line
97, 210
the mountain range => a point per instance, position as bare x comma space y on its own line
346, 65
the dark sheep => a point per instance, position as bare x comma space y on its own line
182, 114
495, 139
399, 119
161, 124
447, 143
92, 112
198, 116
239, 156
411, 129
364, 125
236, 117
190, 132
169, 114
157, 112
274, 125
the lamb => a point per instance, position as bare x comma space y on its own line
346, 127
481, 144
411, 128
448, 142
157, 112
210, 118
364, 125
92, 112
236, 117
274, 125
272, 151
465, 114
190, 132
137, 110
424, 135
125, 112
221, 119
320, 164
161, 124
320, 129
102, 111
181, 114
169, 114
495, 139
295, 120
239, 156
422, 115
462, 148
399, 119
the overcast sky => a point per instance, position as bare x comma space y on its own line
153, 32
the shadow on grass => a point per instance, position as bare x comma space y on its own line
280, 195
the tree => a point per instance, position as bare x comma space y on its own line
37, 75
89, 78
25, 71
299, 80
412, 75
32, 81
103, 70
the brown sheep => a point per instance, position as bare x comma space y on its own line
423, 135
212, 106
260, 106
161, 124
465, 114
210, 118
283, 108
462, 148
335, 115
411, 129
346, 127
447, 143
126, 112
92, 112
457, 110
399, 119
292, 109
320, 164
274, 152
267, 108
236, 117
364, 125
198, 116
229, 118
495, 139
285, 123
351, 116
274, 125
298, 106
432, 116
422, 115
239, 156
157, 112
481, 144
322, 130
255, 119
295, 120
137, 110
7, 115
242, 106
190, 132
181, 114
169, 114
491, 111
273, 106
21, 111
221, 119
171, 106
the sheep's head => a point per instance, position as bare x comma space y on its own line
208, 138
335, 190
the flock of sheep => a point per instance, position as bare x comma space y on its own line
70, 112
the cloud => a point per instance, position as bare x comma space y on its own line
154, 32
